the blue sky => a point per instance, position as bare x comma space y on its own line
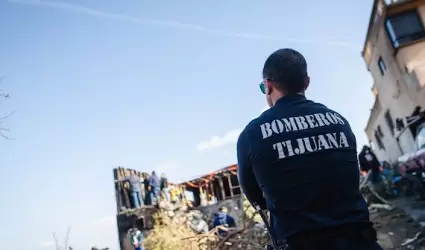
162, 85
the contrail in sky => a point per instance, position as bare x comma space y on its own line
177, 25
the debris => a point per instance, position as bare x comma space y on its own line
411, 240
172, 231
381, 206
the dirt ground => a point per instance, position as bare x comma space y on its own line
396, 229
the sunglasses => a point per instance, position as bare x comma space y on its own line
263, 86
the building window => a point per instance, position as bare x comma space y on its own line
382, 66
390, 122
379, 141
379, 129
405, 28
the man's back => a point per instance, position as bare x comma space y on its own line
135, 182
304, 158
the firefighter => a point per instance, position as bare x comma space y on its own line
298, 159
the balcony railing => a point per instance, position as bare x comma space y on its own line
391, 2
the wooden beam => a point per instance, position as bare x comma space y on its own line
117, 191
125, 193
230, 185
212, 189
401, 7
220, 182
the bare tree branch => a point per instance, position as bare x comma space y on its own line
67, 237
3, 130
58, 247
56, 242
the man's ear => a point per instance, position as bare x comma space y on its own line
307, 82
269, 87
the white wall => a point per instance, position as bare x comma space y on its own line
395, 95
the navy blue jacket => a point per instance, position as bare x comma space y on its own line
223, 219
299, 161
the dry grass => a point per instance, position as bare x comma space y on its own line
169, 231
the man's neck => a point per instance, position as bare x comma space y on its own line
281, 95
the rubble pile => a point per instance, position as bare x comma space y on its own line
169, 228
172, 231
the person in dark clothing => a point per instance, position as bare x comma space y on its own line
223, 219
155, 187
164, 187
369, 162
148, 198
298, 159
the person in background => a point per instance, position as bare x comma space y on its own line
369, 162
164, 187
212, 199
224, 221
174, 192
146, 185
135, 189
155, 187
136, 238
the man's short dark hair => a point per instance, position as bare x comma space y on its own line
287, 68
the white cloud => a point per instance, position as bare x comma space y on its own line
47, 244
220, 141
172, 24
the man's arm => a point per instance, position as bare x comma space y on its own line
122, 180
230, 221
247, 180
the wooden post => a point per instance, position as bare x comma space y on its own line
212, 188
230, 185
220, 182
125, 191
117, 191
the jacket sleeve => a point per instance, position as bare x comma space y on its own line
124, 179
247, 180
230, 221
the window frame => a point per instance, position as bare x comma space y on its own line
378, 140
382, 66
392, 36
420, 139
380, 133
390, 121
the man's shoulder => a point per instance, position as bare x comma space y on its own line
323, 107
254, 123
